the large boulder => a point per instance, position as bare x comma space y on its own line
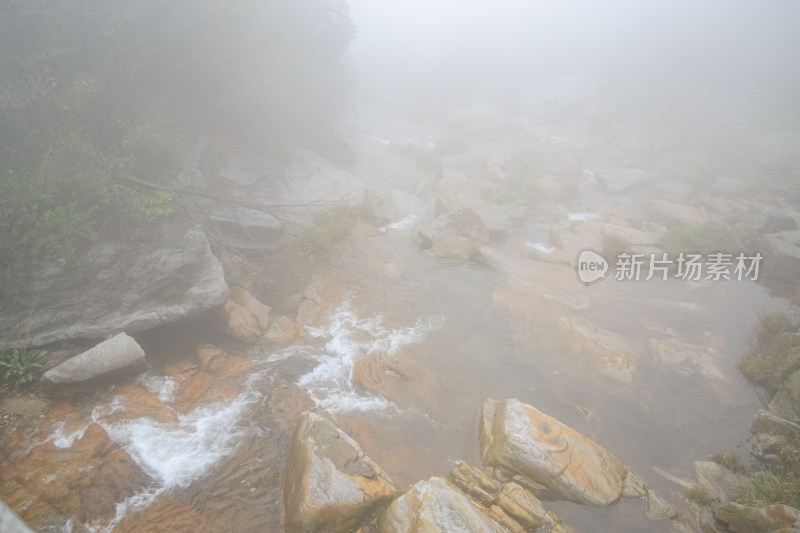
330, 485
114, 358
245, 317
518, 439
436, 506
455, 235
130, 284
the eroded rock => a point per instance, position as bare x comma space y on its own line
519, 439
746, 519
330, 484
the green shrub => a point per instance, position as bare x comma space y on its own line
766, 488
730, 460
698, 494
19, 368
776, 353
699, 239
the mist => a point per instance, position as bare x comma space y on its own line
674, 59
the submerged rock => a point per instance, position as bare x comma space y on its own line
519, 439
330, 484
117, 357
73, 470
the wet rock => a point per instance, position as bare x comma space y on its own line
245, 317
435, 506
493, 217
729, 187
320, 298
614, 355
398, 378
193, 387
454, 235
518, 439
131, 402
620, 180
746, 519
75, 471
221, 364
130, 285
281, 330
118, 357
165, 515
330, 484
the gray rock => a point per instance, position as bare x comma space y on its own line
783, 255
519, 439
128, 284
246, 228
454, 235
329, 483
620, 180
114, 358
775, 219
729, 187
746, 519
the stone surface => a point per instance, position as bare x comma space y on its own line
746, 519
774, 219
73, 470
518, 439
131, 402
117, 357
782, 255
399, 378
786, 402
454, 235
245, 317
117, 285
246, 228
329, 483
436, 506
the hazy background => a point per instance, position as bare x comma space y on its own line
679, 56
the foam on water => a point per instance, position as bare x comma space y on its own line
583, 216
349, 338
65, 440
540, 246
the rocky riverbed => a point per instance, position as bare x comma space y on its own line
443, 367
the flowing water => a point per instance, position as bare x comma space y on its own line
225, 459
460, 332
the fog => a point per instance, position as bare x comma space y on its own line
738, 57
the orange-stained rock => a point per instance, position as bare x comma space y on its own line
164, 516
330, 484
80, 473
521, 440
131, 401
218, 362
192, 389
174, 370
